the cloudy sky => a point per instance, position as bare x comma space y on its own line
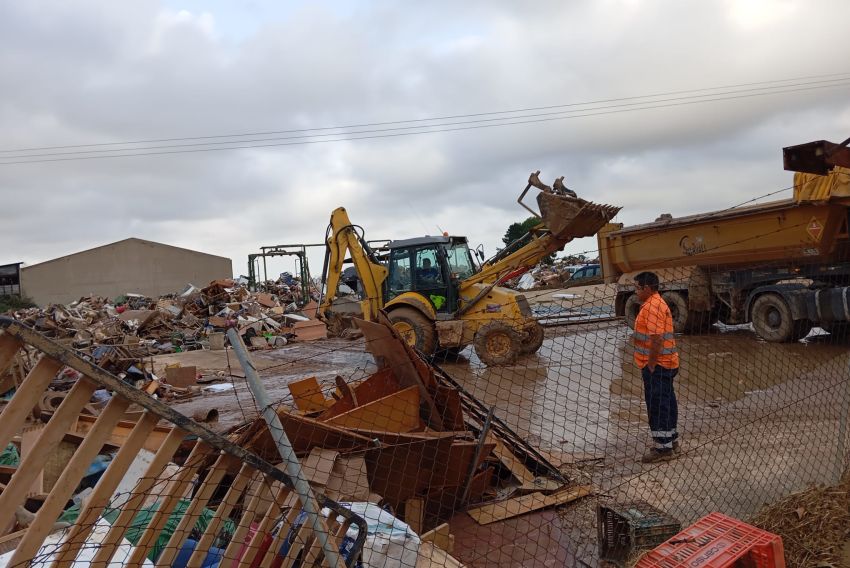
98, 73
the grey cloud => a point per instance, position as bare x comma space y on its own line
99, 72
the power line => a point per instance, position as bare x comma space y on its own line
471, 125
830, 83
842, 76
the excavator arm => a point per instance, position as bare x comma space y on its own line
563, 217
343, 239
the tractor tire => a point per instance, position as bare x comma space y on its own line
632, 310
772, 320
533, 339
415, 328
678, 305
496, 343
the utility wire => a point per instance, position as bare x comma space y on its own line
418, 120
405, 128
429, 129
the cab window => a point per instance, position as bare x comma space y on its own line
460, 261
400, 277
428, 274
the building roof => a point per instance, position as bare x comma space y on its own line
131, 239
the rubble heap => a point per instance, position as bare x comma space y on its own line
175, 322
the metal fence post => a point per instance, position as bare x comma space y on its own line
292, 465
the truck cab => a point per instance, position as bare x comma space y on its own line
432, 267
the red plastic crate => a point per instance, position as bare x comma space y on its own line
718, 541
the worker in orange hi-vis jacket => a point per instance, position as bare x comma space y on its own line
658, 359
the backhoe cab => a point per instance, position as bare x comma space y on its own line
432, 291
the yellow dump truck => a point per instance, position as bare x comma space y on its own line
782, 265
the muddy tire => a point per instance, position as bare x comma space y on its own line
497, 344
678, 305
415, 328
632, 309
773, 322
533, 339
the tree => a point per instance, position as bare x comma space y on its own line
518, 230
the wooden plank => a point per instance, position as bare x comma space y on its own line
308, 396
510, 461
431, 556
122, 431
414, 514
109, 545
349, 480
318, 465
193, 512
440, 536
260, 490
68, 481
398, 412
225, 508
509, 508
9, 347
264, 527
26, 398
283, 533
167, 504
16, 491
102, 493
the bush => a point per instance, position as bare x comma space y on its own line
13, 303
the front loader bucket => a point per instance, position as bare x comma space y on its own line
572, 217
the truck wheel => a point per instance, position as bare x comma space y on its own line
678, 305
533, 339
415, 328
700, 322
497, 343
773, 322
632, 310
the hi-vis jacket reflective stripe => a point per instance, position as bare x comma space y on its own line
655, 319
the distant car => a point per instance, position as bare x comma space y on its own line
587, 271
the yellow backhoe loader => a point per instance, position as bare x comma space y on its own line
434, 293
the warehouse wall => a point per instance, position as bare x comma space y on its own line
131, 265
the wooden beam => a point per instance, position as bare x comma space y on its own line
509, 508
26, 398
32, 464
193, 512
103, 491
234, 492
109, 545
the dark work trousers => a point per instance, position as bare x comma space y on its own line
661, 405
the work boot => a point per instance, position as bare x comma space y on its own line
655, 456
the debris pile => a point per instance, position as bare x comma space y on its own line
411, 439
548, 276
177, 322
814, 525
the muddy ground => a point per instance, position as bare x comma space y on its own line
757, 421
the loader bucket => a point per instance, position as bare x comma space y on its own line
572, 217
